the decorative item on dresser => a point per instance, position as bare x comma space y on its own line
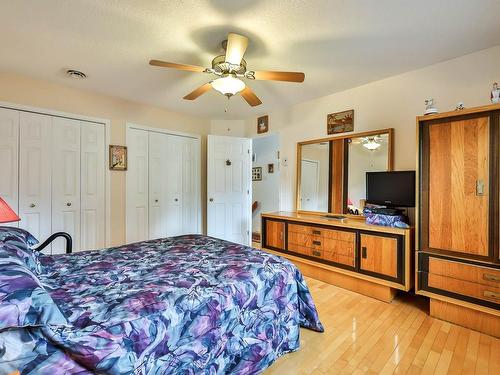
369, 259
458, 216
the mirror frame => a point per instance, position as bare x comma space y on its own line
390, 166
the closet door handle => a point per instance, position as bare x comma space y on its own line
68, 204
32, 205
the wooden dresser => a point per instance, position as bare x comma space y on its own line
369, 259
458, 216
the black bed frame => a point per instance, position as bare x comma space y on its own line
69, 242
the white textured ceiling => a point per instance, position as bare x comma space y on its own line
339, 44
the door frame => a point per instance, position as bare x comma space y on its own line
131, 125
107, 141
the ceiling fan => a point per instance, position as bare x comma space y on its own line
229, 69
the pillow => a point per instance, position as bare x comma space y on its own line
24, 302
15, 242
13, 233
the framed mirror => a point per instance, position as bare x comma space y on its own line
331, 172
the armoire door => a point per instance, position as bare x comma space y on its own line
65, 182
458, 186
137, 186
35, 174
92, 186
9, 158
158, 176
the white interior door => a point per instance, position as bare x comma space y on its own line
65, 182
137, 186
174, 185
229, 173
35, 174
157, 184
309, 185
9, 158
92, 186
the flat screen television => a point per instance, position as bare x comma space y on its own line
392, 189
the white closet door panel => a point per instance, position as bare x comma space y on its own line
65, 182
157, 185
93, 165
137, 186
174, 173
35, 174
9, 158
190, 187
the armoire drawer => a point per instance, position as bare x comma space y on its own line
465, 288
463, 271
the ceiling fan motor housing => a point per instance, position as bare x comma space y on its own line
221, 67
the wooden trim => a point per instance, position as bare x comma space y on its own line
348, 272
336, 176
464, 316
467, 111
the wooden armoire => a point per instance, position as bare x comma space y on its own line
458, 264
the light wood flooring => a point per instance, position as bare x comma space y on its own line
365, 336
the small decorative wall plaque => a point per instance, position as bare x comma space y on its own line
340, 122
263, 124
117, 158
257, 174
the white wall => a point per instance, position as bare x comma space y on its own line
389, 103
265, 192
233, 128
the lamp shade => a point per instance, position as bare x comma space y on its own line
7, 215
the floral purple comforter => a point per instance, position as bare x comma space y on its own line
183, 305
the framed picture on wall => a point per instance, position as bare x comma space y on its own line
263, 124
340, 122
117, 158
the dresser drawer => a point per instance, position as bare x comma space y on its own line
299, 249
465, 288
307, 240
322, 232
466, 272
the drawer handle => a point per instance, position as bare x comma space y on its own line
318, 254
489, 294
317, 243
363, 252
317, 232
490, 277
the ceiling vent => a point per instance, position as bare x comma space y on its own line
75, 74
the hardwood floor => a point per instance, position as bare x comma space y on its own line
366, 336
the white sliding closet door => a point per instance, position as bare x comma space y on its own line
35, 174
190, 186
158, 144
174, 170
65, 182
92, 165
9, 169
137, 186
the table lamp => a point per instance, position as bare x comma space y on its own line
7, 215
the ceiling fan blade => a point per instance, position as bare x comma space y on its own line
189, 68
250, 97
280, 76
198, 92
236, 47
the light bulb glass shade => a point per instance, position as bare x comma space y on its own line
371, 145
228, 85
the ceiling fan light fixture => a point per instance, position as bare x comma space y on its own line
228, 85
371, 145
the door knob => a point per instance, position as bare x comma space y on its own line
68, 204
176, 200
156, 200
32, 205
211, 199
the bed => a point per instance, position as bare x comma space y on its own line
183, 305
